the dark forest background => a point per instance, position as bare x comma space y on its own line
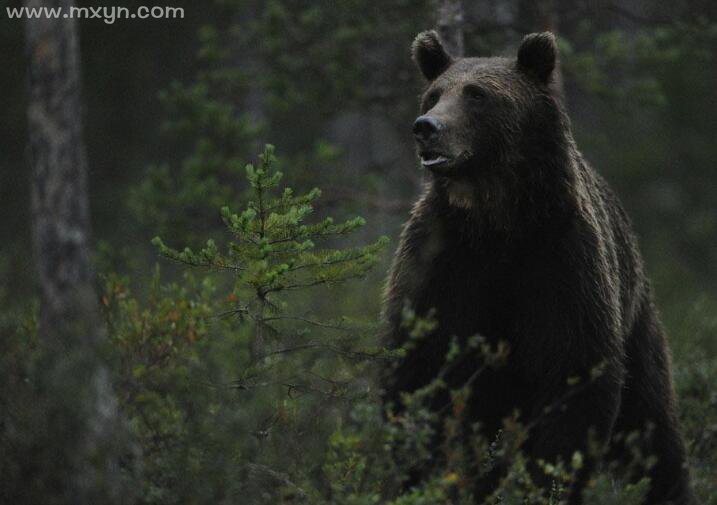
173, 109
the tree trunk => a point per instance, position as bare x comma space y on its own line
548, 20
74, 386
250, 59
449, 23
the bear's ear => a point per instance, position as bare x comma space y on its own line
537, 55
429, 54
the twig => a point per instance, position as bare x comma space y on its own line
257, 471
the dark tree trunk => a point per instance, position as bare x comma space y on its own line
81, 430
449, 23
249, 58
548, 20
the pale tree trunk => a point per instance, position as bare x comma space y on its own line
450, 17
82, 421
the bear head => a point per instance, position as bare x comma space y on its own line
480, 117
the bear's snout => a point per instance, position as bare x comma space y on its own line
426, 129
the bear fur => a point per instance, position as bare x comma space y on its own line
517, 239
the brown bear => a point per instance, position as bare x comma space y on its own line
517, 239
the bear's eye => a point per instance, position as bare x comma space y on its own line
431, 100
474, 92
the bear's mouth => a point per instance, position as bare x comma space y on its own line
433, 159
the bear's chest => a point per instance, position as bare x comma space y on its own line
470, 290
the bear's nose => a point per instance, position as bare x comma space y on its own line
426, 128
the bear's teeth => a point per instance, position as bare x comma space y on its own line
433, 161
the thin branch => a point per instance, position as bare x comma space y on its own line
208, 266
352, 355
321, 264
238, 311
258, 471
312, 284
288, 350
307, 321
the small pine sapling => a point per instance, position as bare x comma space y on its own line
274, 252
